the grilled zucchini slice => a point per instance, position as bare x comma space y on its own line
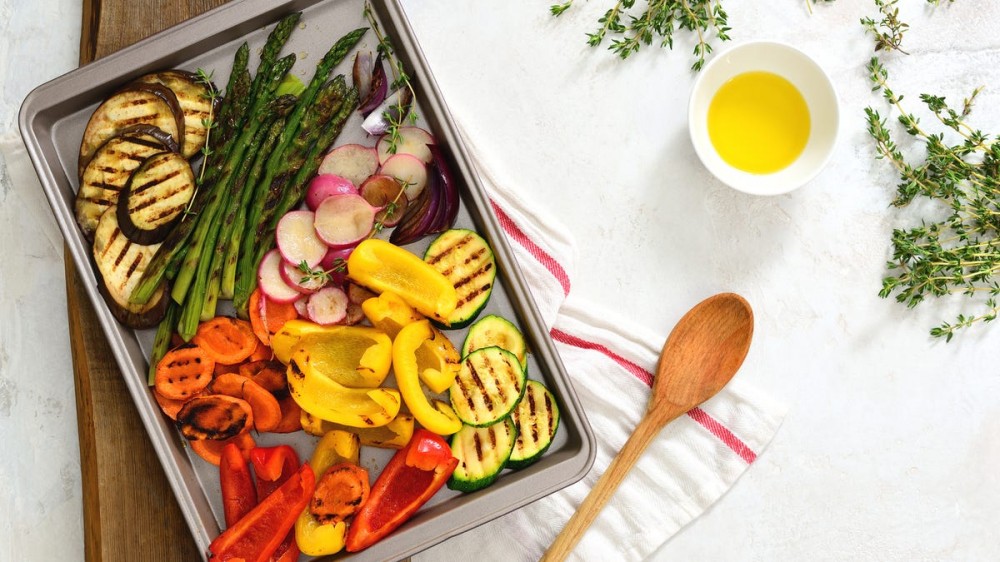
482, 452
496, 330
537, 419
195, 103
488, 386
137, 104
110, 168
467, 261
154, 197
121, 264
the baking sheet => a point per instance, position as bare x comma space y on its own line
52, 121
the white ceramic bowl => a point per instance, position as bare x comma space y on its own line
796, 67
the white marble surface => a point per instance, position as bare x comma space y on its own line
889, 450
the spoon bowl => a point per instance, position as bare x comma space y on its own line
702, 353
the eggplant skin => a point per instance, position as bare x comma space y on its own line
138, 104
120, 264
155, 197
195, 105
109, 171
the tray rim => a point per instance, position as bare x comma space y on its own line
147, 54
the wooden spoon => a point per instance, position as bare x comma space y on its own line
704, 351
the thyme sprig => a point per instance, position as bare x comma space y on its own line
957, 253
400, 79
889, 29
211, 94
658, 22
318, 274
390, 209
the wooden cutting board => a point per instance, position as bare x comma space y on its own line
129, 510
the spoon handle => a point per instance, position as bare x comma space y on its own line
648, 428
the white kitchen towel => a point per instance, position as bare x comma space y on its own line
611, 362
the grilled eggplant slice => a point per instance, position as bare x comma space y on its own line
121, 263
154, 197
195, 103
109, 170
147, 104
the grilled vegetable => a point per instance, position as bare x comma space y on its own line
537, 419
183, 372
149, 104
482, 452
154, 197
194, 101
215, 416
496, 330
489, 385
121, 263
467, 261
110, 168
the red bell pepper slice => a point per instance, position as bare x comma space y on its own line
414, 474
239, 495
256, 536
273, 466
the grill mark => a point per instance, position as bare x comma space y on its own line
478, 382
156, 180
549, 418
133, 266
98, 200
121, 255
469, 278
532, 417
493, 438
458, 244
478, 442
111, 242
106, 186
501, 393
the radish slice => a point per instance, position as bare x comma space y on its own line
352, 162
335, 263
300, 280
325, 185
297, 239
327, 306
270, 282
300, 306
408, 169
411, 140
385, 194
343, 221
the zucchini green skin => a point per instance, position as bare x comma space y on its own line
537, 419
488, 386
467, 261
496, 330
482, 453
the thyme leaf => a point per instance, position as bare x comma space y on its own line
657, 22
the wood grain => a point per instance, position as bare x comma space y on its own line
128, 507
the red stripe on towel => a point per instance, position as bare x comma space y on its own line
515, 232
697, 414
640, 373
724, 435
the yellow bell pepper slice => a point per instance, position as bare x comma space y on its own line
327, 399
438, 362
284, 342
354, 356
382, 266
393, 435
312, 537
435, 415
389, 312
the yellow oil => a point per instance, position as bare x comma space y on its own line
758, 122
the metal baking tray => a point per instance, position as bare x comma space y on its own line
52, 120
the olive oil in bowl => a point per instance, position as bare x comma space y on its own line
758, 122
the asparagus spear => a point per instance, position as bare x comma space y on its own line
293, 190
236, 91
239, 226
210, 213
176, 243
161, 342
